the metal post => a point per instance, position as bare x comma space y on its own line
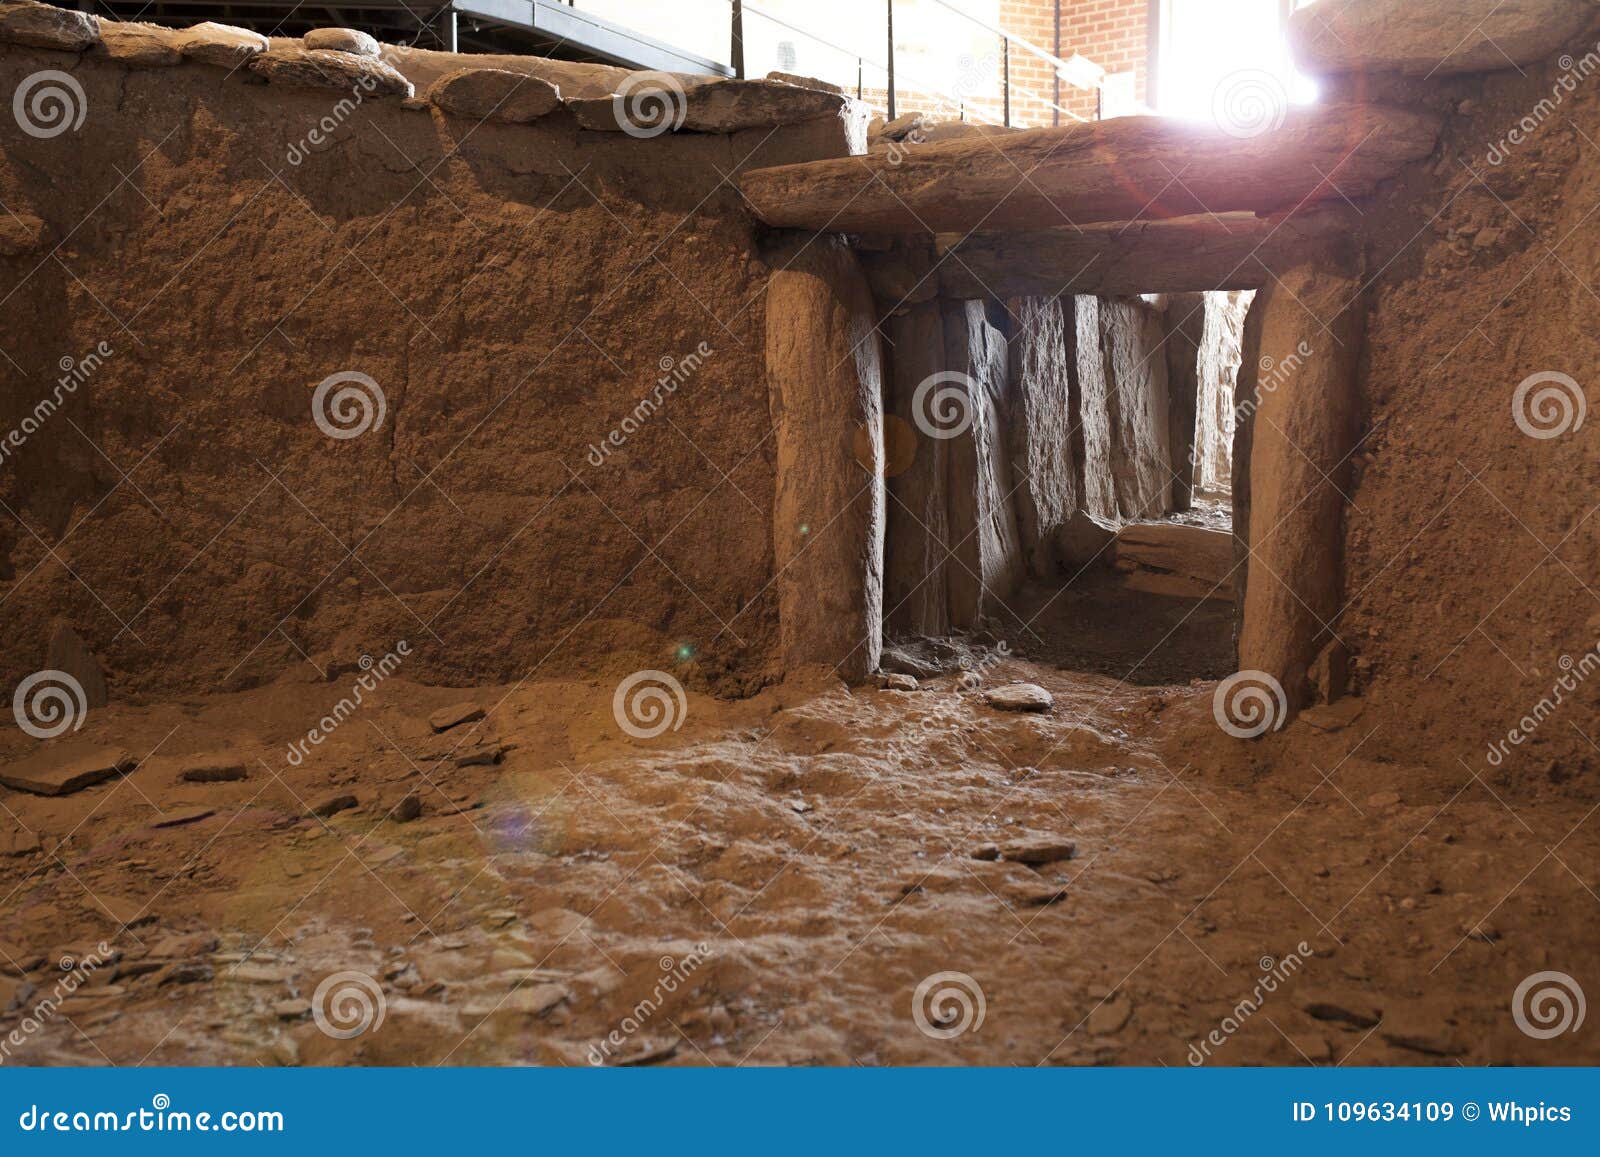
1055, 76
736, 51
891, 58
859, 77
1005, 58
447, 28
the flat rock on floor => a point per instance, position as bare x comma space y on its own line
454, 716
18, 843
333, 805
1333, 716
188, 815
1020, 697
212, 769
1341, 1008
1037, 851
56, 772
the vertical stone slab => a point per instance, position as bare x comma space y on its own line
915, 598
1185, 325
1092, 409
1136, 390
1220, 357
1041, 427
825, 377
986, 563
1304, 388
1244, 425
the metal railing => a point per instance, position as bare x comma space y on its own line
1077, 71
890, 80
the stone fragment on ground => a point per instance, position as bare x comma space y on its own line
183, 816
1350, 1009
56, 771
334, 804
898, 661
529, 1000
1042, 850
1421, 1030
1020, 697
896, 681
212, 769
483, 755
19, 843
1333, 716
455, 715
1196, 553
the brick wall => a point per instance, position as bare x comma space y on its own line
1115, 34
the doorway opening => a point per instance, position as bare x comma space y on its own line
1082, 512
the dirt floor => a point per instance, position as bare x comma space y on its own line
773, 881
1099, 625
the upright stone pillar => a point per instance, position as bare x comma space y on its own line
916, 602
825, 379
1185, 327
1301, 381
1044, 467
986, 567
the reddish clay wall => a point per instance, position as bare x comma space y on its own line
515, 292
